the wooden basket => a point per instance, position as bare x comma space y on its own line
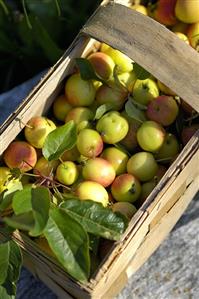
174, 63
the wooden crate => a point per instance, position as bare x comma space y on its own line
175, 64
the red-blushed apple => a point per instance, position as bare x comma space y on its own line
123, 62
166, 90
117, 158
103, 64
61, 107
79, 92
45, 167
67, 173
143, 166
187, 108
165, 12
130, 140
89, 143
82, 117
125, 208
163, 110
98, 170
193, 35
145, 91
140, 8
89, 190
126, 187
150, 136
112, 127
111, 94
20, 154
70, 155
187, 11
169, 150
37, 129
5, 179
188, 132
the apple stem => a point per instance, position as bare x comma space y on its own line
165, 159
25, 125
60, 159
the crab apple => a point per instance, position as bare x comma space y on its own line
125, 208
89, 190
89, 143
193, 35
140, 8
103, 64
143, 166
37, 129
112, 127
117, 158
71, 155
163, 110
82, 117
169, 149
79, 92
187, 11
20, 154
123, 62
188, 132
5, 179
126, 187
111, 94
67, 173
150, 136
98, 170
45, 167
61, 107
166, 90
128, 80
165, 12
145, 91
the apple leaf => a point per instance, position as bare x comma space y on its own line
134, 112
59, 140
102, 109
140, 72
7, 195
95, 218
31, 208
10, 265
86, 70
69, 242
138, 105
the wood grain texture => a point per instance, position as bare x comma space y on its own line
151, 45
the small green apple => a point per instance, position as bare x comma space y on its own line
67, 173
89, 143
61, 107
82, 117
169, 149
145, 91
117, 158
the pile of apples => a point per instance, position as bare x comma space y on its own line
129, 129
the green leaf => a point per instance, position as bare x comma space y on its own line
61, 139
134, 112
86, 70
102, 109
136, 104
95, 218
31, 207
10, 263
69, 242
7, 196
140, 72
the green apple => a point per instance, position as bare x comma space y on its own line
45, 167
150, 136
128, 80
89, 190
117, 158
140, 8
143, 166
112, 127
82, 117
145, 91
20, 154
187, 11
67, 173
147, 188
5, 179
37, 129
164, 89
126, 187
79, 92
61, 107
125, 208
124, 63
169, 149
89, 143
98, 170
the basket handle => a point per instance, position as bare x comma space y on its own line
151, 45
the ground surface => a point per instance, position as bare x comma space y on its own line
171, 273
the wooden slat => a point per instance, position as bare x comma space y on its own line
151, 45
